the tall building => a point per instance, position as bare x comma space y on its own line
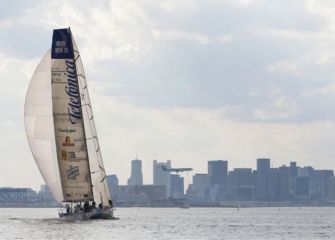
113, 185
136, 177
284, 183
177, 186
240, 184
112, 180
272, 184
218, 172
198, 190
302, 187
305, 172
161, 177
218, 176
46, 196
294, 176
331, 189
263, 164
319, 183
294, 169
261, 181
200, 180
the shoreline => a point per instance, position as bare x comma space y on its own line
237, 205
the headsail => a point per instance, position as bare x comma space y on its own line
40, 127
68, 120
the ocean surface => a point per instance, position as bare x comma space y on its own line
173, 223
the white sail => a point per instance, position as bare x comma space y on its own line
98, 175
68, 120
40, 127
60, 126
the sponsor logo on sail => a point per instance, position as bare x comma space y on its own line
68, 142
72, 173
68, 155
60, 47
67, 130
64, 154
72, 90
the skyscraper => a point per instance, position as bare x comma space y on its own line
293, 169
136, 177
263, 164
199, 189
113, 184
177, 186
284, 183
161, 177
262, 177
240, 184
294, 176
218, 172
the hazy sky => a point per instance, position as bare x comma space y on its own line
182, 80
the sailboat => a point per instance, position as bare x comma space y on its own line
61, 132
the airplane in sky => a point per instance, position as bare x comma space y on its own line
176, 170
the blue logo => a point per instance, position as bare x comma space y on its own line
73, 172
72, 90
62, 44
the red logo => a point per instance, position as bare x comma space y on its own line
68, 142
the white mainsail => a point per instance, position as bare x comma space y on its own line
60, 126
68, 120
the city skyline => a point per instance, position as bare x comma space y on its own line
263, 186
169, 164
289, 185
186, 81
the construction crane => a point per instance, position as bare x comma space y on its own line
176, 170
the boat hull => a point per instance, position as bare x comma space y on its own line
95, 214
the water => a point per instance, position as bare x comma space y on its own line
174, 223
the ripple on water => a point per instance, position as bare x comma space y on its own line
174, 223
